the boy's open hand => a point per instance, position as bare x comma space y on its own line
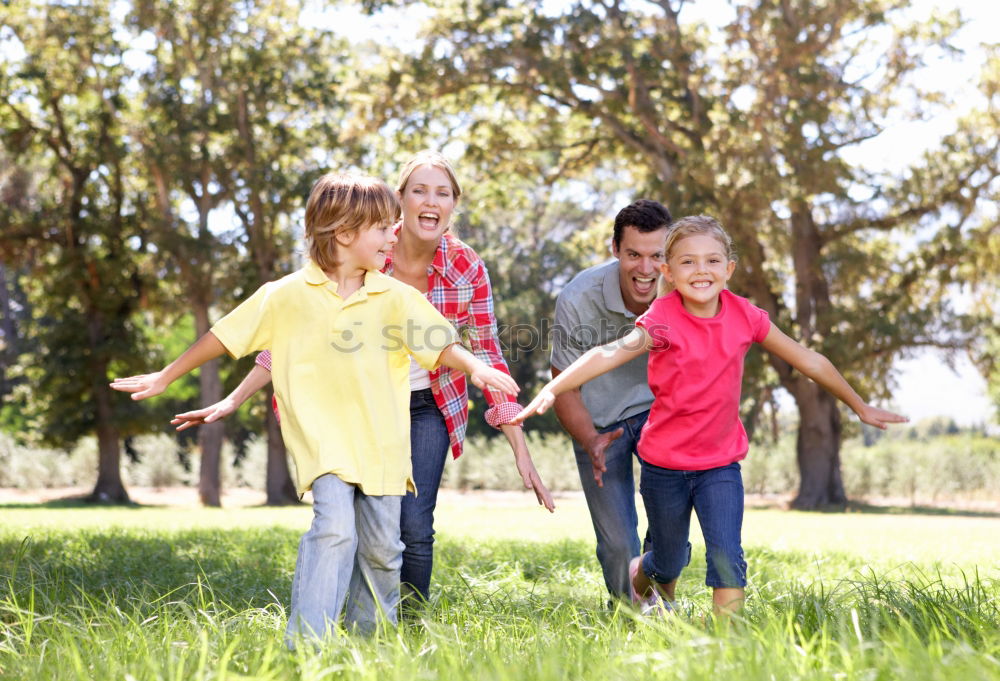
880, 418
496, 379
539, 405
141, 386
209, 414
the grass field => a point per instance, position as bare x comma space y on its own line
186, 593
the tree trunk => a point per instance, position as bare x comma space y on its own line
8, 346
109, 488
210, 435
818, 450
280, 488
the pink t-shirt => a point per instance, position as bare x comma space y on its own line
695, 373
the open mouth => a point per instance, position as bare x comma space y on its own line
701, 284
644, 284
429, 220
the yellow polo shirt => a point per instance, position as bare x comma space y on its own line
340, 370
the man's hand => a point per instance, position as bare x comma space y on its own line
596, 447
210, 414
141, 386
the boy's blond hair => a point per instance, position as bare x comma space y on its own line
428, 157
688, 226
340, 203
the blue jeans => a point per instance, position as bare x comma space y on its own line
428, 450
351, 553
612, 507
716, 495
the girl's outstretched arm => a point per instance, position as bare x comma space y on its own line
590, 365
254, 381
206, 348
817, 367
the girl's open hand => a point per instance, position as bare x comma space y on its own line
496, 379
543, 400
141, 386
880, 418
209, 414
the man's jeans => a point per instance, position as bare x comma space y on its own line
428, 451
351, 552
612, 507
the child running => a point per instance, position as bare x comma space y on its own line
697, 336
341, 335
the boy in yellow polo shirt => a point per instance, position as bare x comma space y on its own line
344, 398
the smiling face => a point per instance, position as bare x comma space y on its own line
428, 201
367, 248
640, 255
698, 268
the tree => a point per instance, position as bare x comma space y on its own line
256, 100
62, 111
186, 137
752, 126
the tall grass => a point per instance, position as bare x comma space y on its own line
210, 603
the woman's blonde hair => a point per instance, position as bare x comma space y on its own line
428, 157
689, 226
340, 203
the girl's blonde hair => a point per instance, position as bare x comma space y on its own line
428, 157
340, 203
689, 226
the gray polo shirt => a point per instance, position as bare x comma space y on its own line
590, 312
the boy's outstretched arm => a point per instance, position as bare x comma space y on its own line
206, 348
480, 373
254, 381
590, 365
817, 367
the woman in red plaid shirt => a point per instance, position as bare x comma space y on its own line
456, 282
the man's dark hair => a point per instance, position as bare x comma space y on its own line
645, 215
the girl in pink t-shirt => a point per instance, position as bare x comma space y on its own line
697, 336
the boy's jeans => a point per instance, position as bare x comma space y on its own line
352, 551
612, 507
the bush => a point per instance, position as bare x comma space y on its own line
906, 463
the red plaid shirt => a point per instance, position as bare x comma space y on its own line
458, 285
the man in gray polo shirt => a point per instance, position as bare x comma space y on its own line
605, 416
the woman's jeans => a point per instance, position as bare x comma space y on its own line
716, 495
428, 449
351, 552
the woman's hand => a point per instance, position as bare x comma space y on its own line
533, 481
210, 414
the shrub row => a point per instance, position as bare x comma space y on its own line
946, 467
